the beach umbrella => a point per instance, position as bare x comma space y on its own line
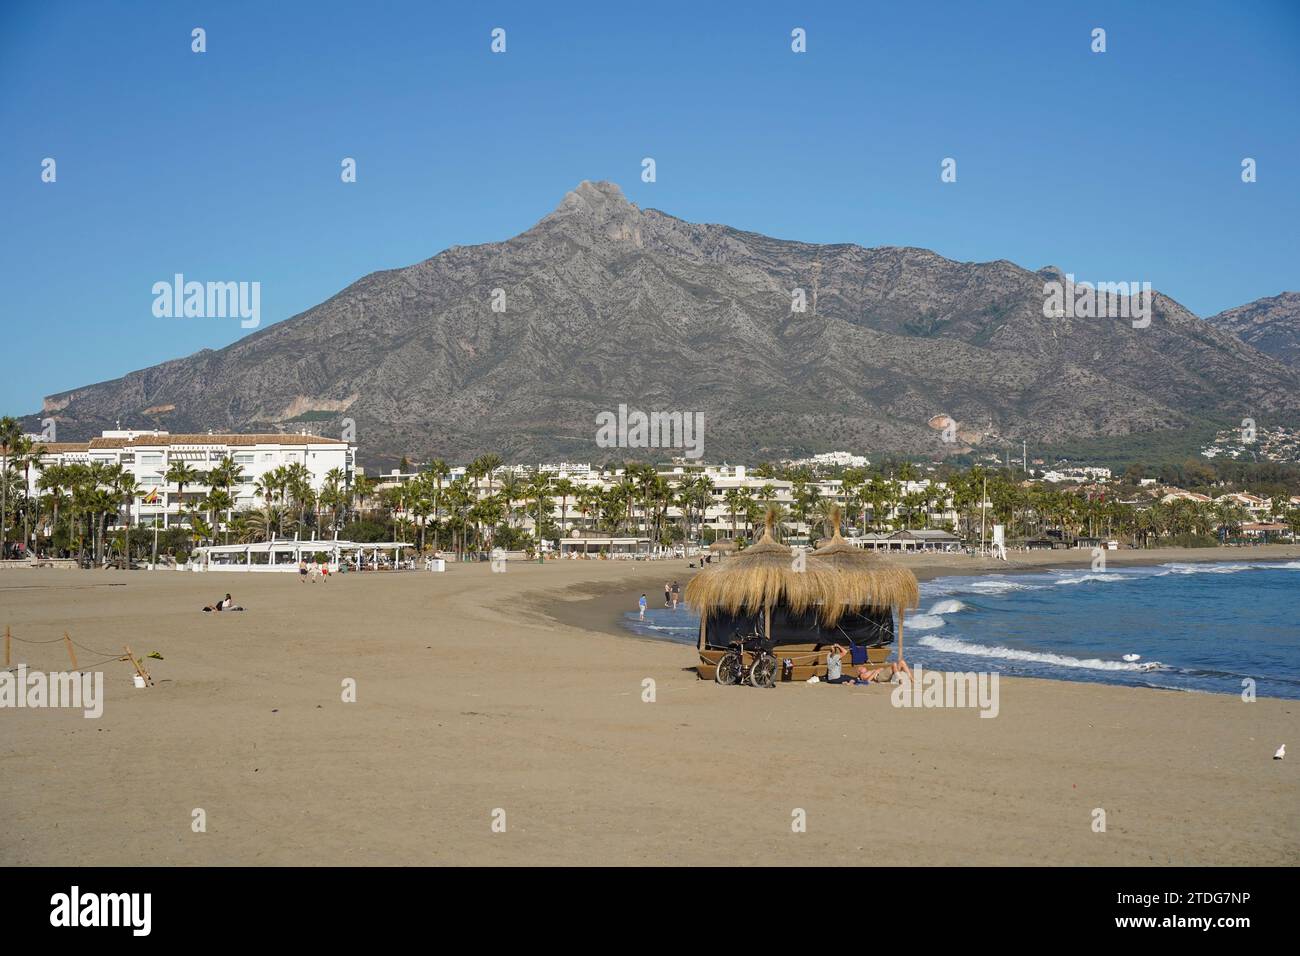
763, 576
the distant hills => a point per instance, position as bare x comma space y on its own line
1271, 325
608, 304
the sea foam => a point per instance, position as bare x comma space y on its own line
955, 646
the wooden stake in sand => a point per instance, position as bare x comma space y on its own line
139, 666
71, 653
7, 638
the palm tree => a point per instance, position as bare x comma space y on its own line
512, 490
334, 497
51, 483
217, 501
565, 489
538, 494
825, 511
182, 474
126, 489
439, 470
27, 453
297, 486
10, 433
363, 489
625, 489
732, 497
588, 504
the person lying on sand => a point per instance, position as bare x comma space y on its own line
868, 675
225, 604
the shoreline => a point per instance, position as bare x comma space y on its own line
598, 606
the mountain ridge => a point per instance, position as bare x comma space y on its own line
607, 303
1270, 324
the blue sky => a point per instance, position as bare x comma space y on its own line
225, 165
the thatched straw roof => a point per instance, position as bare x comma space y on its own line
723, 544
765, 574
865, 578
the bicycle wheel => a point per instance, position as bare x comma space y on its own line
729, 668
763, 673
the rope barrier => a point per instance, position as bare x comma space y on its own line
107, 655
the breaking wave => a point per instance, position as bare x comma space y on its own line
1081, 578
954, 646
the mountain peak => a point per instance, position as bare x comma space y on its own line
599, 208
596, 193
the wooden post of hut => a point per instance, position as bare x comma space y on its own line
901, 611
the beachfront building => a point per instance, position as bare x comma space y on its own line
151, 456
920, 540
712, 501
285, 556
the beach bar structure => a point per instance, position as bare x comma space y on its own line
802, 603
605, 547
907, 540
286, 555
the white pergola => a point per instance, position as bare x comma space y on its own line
286, 555
610, 547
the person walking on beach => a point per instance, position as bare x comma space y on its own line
667, 594
641, 603
677, 593
302, 571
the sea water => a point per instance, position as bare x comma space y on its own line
1194, 627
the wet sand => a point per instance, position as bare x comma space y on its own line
471, 700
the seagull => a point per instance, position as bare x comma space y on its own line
1281, 752
1132, 657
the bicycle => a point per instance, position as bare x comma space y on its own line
760, 672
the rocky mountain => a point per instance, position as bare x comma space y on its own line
607, 304
1271, 325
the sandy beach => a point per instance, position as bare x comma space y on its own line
478, 692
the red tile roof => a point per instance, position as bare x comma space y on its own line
153, 441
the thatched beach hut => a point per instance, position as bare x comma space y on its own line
764, 577
723, 547
870, 590
802, 603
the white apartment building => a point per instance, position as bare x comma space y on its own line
148, 455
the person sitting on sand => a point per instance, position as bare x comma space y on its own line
224, 604
834, 665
